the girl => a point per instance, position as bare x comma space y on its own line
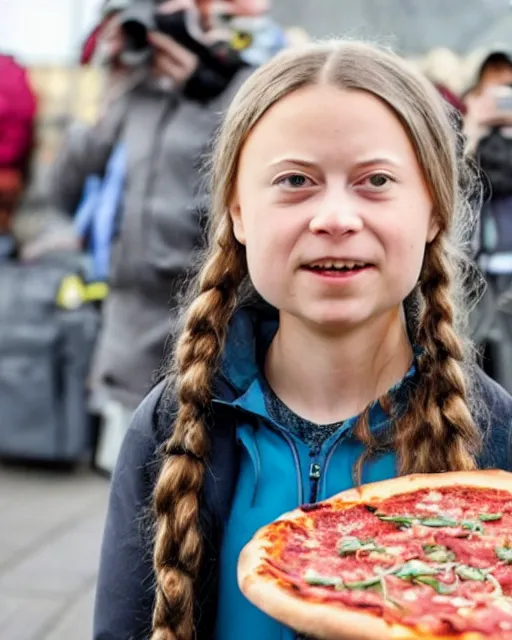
321, 345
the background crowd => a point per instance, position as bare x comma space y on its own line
103, 198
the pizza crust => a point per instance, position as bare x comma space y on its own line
327, 622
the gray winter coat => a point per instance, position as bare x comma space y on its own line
166, 136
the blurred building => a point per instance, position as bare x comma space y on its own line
56, 27
412, 26
445, 37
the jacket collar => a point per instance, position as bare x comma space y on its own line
250, 334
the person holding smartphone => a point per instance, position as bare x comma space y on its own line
164, 110
488, 127
487, 103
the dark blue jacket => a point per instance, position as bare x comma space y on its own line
125, 589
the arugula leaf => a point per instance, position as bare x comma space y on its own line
438, 553
415, 568
440, 521
504, 553
471, 573
490, 517
405, 521
316, 580
349, 545
441, 587
473, 526
353, 545
364, 584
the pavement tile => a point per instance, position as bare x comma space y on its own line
51, 525
76, 622
26, 618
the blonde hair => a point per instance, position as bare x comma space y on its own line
437, 432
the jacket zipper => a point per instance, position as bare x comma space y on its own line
286, 437
317, 471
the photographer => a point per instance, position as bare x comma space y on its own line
163, 105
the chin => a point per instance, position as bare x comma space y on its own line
331, 321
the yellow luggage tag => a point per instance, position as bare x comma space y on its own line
96, 291
74, 292
71, 293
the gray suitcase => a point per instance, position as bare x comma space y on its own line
45, 353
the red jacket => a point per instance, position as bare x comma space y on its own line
18, 107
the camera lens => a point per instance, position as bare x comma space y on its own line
136, 36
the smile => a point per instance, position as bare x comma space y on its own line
337, 265
333, 266
337, 270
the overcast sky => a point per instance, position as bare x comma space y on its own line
50, 31
45, 31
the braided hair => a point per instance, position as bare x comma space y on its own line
436, 432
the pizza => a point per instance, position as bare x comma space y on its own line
416, 557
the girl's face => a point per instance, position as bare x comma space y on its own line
333, 209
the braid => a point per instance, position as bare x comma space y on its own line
438, 432
178, 544
372, 445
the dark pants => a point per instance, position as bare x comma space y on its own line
491, 325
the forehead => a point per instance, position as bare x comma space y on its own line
496, 70
330, 124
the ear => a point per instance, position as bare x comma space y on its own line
235, 212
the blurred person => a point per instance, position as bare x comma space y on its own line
321, 345
482, 112
95, 43
452, 98
488, 127
163, 108
18, 110
11, 189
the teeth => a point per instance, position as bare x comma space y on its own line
337, 264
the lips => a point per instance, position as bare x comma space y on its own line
335, 265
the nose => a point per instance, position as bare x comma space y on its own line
337, 214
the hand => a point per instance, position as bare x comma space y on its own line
111, 41
481, 116
482, 111
171, 60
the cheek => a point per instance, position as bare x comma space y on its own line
405, 250
262, 251
269, 247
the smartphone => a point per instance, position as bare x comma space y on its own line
503, 98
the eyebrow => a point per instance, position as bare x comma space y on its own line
361, 163
379, 160
302, 163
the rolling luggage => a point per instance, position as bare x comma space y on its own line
47, 335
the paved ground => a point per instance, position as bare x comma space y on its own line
50, 532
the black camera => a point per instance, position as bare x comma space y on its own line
142, 17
